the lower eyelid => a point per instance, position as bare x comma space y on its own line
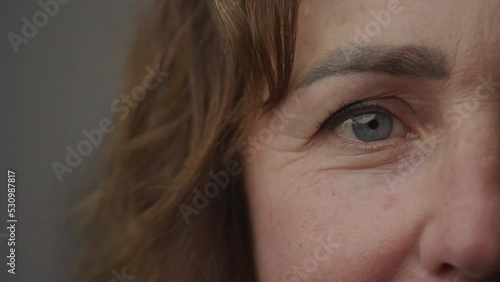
356, 146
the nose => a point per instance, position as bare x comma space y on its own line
462, 235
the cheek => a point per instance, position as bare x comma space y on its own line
317, 226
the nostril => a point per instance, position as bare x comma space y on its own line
495, 277
446, 268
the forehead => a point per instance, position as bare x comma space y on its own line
468, 32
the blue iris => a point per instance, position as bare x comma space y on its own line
372, 127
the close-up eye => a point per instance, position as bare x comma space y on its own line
250, 141
366, 123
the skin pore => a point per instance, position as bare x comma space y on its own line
419, 199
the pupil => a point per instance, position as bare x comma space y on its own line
373, 124
372, 127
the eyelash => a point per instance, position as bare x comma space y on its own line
334, 119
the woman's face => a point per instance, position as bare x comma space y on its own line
382, 164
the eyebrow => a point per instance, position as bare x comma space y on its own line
406, 61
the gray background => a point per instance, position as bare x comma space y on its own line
60, 83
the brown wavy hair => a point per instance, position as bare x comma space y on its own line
227, 60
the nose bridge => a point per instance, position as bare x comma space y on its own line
465, 230
473, 149
471, 165
470, 179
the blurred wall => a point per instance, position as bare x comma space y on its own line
58, 79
